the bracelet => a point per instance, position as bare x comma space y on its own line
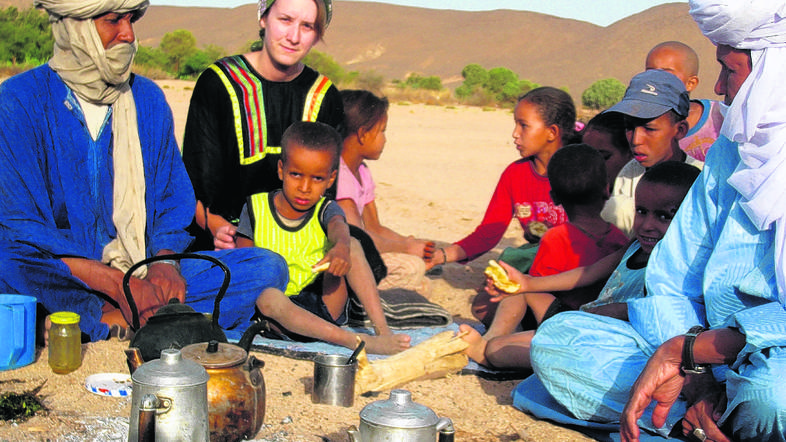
444, 256
170, 262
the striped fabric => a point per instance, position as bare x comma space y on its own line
248, 106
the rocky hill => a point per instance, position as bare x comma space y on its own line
397, 40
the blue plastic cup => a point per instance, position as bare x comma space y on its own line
17, 331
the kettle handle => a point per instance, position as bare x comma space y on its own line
174, 256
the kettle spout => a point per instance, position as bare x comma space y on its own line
256, 328
354, 434
445, 429
133, 358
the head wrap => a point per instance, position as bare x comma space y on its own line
263, 5
100, 76
756, 119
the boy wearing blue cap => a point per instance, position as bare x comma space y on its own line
654, 108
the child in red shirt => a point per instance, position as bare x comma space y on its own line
579, 183
544, 121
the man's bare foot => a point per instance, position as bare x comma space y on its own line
477, 345
387, 344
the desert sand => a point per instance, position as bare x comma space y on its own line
434, 180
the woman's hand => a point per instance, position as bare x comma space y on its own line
225, 237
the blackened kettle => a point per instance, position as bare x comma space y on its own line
174, 325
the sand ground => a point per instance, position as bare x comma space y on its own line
434, 180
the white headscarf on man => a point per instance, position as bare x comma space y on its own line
101, 76
756, 119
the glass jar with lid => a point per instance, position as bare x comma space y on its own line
65, 342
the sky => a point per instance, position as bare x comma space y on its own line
601, 13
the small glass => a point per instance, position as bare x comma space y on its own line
65, 342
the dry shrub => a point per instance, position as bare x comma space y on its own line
437, 98
11, 70
152, 73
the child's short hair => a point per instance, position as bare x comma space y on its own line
613, 124
313, 136
362, 110
672, 173
577, 174
555, 107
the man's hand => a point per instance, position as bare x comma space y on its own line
148, 298
167, 278
660, 381
705, 414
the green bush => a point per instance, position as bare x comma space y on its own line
499, 78
325, 65
603, 94
369, 80
495, 86
417, 81
25, 36
178, 45
474, 75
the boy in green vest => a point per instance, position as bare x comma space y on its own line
311, 233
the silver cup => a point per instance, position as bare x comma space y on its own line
334, 380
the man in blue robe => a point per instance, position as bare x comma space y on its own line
93, 181
718, 274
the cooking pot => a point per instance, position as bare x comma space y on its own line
174, 325
235, 391
402, 420
169, 400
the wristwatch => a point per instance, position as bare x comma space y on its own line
689, 366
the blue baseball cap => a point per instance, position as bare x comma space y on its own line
651, 94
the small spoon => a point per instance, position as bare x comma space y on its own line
354, 356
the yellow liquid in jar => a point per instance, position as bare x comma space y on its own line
65, 348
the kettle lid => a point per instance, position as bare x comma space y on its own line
215, 354
399, 412
170, 371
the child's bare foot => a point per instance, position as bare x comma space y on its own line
477, 345
387, 344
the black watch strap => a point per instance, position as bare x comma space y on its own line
689, 366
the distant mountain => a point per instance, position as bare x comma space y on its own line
396, 40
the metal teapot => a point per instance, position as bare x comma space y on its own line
401, 420
169, 400
236, 389
174, 325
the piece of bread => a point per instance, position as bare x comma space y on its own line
321, 268
500, 278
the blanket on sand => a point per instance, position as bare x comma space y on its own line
308, 350
404, 309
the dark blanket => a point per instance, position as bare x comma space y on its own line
403, 309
